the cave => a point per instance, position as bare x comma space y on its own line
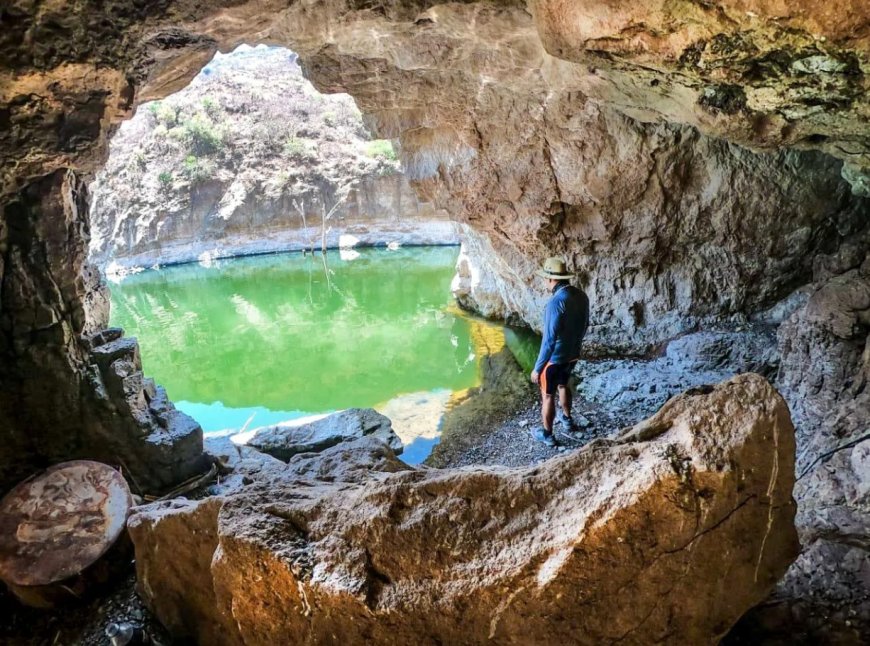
698, 165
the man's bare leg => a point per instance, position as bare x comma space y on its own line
548, 411
565, 400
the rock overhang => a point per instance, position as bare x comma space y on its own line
750, 72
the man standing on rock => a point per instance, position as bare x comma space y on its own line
566, 318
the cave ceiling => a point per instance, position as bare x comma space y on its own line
764, 74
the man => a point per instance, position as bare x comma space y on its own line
566, 318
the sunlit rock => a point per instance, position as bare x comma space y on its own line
668, 534
285, 440
347, 241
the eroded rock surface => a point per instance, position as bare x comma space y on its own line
668, 534
73, 389
825, 348
634, 388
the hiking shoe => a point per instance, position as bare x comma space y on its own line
567, 423
541, 435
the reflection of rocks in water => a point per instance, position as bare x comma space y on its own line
416, 419
425, 420
524, 345
416, 415
473, 414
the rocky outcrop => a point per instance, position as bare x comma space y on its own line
249, 158
657, 224
669, 534
71, 388
633, 388
759, 73
285, 440
824, 375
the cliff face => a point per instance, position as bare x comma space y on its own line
695, 161
248, 158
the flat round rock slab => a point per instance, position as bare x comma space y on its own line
55, 525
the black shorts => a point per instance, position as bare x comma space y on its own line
554, 375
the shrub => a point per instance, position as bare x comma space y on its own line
165, 178
299, 148
202, 135
178, 133
211, 107
381, 149
167, 114
197, 170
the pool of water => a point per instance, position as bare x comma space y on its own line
254, 341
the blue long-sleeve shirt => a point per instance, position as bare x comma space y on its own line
566, 318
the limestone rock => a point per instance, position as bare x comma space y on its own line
74, 389
825, 348
634, 388
670, 538
240, 464
747, 71
349, 461
287, 439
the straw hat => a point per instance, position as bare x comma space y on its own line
554, 268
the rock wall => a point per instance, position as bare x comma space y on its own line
824, 374
667, 229
378, 211
72, 389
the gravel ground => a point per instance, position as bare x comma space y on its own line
83, 625
510, 442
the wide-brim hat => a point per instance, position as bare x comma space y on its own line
554, 268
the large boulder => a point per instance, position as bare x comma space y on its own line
668, 534
287, 439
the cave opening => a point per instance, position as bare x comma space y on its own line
198, 219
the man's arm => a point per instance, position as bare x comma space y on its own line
549, 340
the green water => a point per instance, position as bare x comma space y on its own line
284, 336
